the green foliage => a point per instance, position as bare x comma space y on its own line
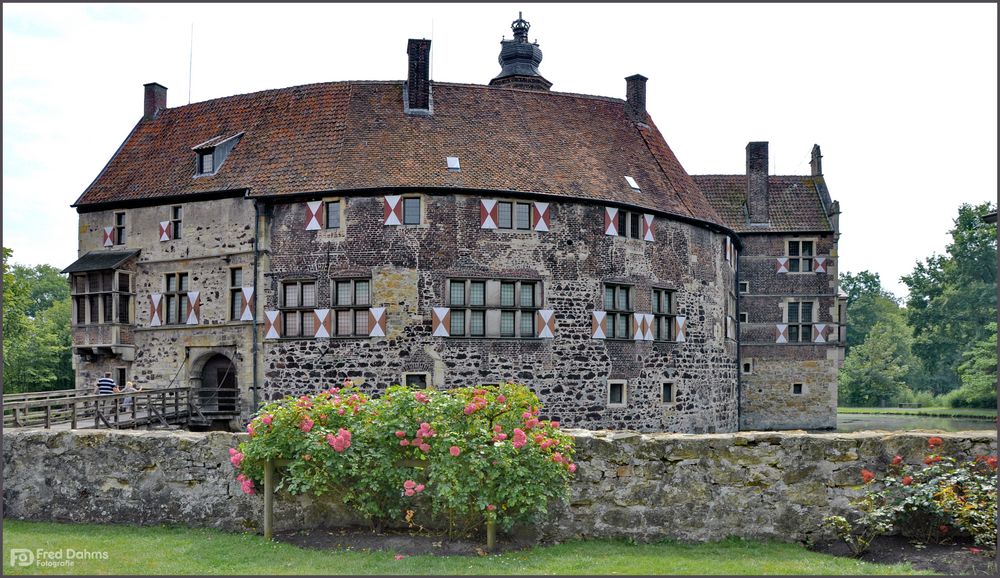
952, 298
867, 303
37, 339
978, 373
470, 454
876, 370
940, 500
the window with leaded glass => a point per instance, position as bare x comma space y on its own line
799, 315
800, 256
618, 304
662, 306
298, 302
351, 301
505, 310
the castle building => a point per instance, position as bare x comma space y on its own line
441, 234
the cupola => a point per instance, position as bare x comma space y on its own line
519, 60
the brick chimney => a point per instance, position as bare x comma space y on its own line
418, 78
757, 193
817, 162
154, 100
635, 97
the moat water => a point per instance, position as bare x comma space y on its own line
848, 422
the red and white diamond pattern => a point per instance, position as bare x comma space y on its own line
599, 325
610, 221
647, 227
376, 321
546, 324
542, 216
166, 228
314, 215
488, 213
393, 210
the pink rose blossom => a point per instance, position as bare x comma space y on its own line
267, 419
497, 428
425, 448
235, 458
409, 492
422, 397
404, 443
340, 411
557, 457
247, 486
400, 556
555, 424
401, 434
539, 438
409, 484
454, 450
306, 425
519, 438
419, 488
491, 507
572, 468
501, 398
526, 415
250, 429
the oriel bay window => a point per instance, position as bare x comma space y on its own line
662, 305
351, 300
102, 297
799, 315
493, 308
618, 304
298, 299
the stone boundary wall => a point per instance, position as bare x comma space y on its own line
691, 487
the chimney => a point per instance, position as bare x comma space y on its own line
757, 182
817, 162
418, 78
635, 97
154, 100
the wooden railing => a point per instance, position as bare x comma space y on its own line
74, 410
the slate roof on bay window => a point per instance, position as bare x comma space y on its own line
794, 202
352, 136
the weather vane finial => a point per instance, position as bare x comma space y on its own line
520, 28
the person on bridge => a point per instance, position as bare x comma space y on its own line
105, 386
127, 402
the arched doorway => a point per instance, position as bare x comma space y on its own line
218, 391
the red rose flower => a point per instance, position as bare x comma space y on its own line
897, 460
867, 475
943, 529
935, 441
992, 462
907, 480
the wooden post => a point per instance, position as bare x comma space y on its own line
268, 499
72, 421
491, 535
48, 416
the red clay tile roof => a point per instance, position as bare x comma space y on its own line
794, 202
350, 136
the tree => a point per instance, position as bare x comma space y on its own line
867, 303
952, 297
37, 342
875, 372
978, 373
46, 285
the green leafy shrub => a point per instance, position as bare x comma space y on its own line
469, 454
941, 499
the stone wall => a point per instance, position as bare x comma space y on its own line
641, 486
409, 267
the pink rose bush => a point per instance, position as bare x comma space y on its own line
469, 455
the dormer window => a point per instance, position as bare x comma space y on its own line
213, 152
206, 166
631, 183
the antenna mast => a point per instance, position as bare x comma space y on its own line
190, 62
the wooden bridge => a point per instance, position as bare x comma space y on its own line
79, 408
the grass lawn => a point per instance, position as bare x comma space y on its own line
171, 550
928, 411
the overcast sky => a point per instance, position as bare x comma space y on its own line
901, 98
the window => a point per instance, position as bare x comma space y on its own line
206, 164
799, 315
667, 393
176, 215
411, 210
416, 380
744, 286
617, 392
743, 316
796, 389
618, 304
333, 214
508, 312
800, 254
663, 315
511, 215
453, 164
298, 299
351, 300
119, 229
629, 224
175, 298
235, 293
730, 316
101, 297
631, 183
748, 366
